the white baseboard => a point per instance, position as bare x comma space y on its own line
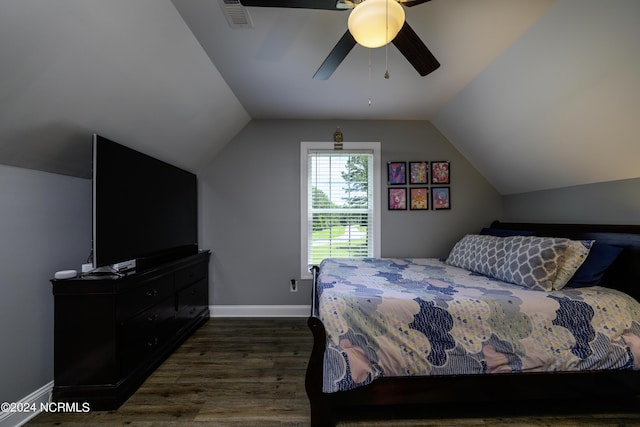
259, 310
34, 400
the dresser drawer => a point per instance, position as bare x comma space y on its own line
191, 274
192, 300
147, 332
144, 296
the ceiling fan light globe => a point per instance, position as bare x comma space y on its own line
374, 23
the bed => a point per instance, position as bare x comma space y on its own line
424, 333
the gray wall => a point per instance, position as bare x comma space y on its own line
251, 204
249, 218
45, 224
613, 202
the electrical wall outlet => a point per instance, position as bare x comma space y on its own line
294, 285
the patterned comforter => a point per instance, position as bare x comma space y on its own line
404, 317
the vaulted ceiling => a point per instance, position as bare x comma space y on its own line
536, 94
129, 70
270, 66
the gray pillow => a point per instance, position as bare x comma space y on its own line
523, 260
532, 261
478, 253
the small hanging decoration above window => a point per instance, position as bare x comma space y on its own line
337, 138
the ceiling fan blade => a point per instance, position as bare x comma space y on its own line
410, 3
299, 4
337, 55
410, 45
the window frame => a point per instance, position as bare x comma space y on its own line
305, 147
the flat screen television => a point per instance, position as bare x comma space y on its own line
144, 209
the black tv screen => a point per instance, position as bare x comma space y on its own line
142, 207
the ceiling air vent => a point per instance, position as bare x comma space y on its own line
237, 15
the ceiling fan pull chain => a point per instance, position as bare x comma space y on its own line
386, 61
369, 83
386, 46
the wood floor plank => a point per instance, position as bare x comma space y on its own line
250, 372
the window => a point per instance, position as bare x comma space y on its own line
340, 203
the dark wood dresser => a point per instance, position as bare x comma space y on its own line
111, 332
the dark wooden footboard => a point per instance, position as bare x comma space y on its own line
578, 391
321, 412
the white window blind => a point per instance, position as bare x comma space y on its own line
340, 216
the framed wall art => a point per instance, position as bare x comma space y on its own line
418, 172
419, 198
397, 199
397, 173
440, 173
440, 198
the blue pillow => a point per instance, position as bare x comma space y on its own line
503, 232
590, 273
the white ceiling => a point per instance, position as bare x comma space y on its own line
536, 94
270, 66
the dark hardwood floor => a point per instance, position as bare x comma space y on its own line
250, 372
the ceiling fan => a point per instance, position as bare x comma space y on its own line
406, 40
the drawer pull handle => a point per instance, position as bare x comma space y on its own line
152, 293
153, 342
153, 318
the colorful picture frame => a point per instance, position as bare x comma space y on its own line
397, 199
440, 198
397, 173
419, 198
418, 172
440, 172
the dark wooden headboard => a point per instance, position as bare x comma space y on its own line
624, 273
